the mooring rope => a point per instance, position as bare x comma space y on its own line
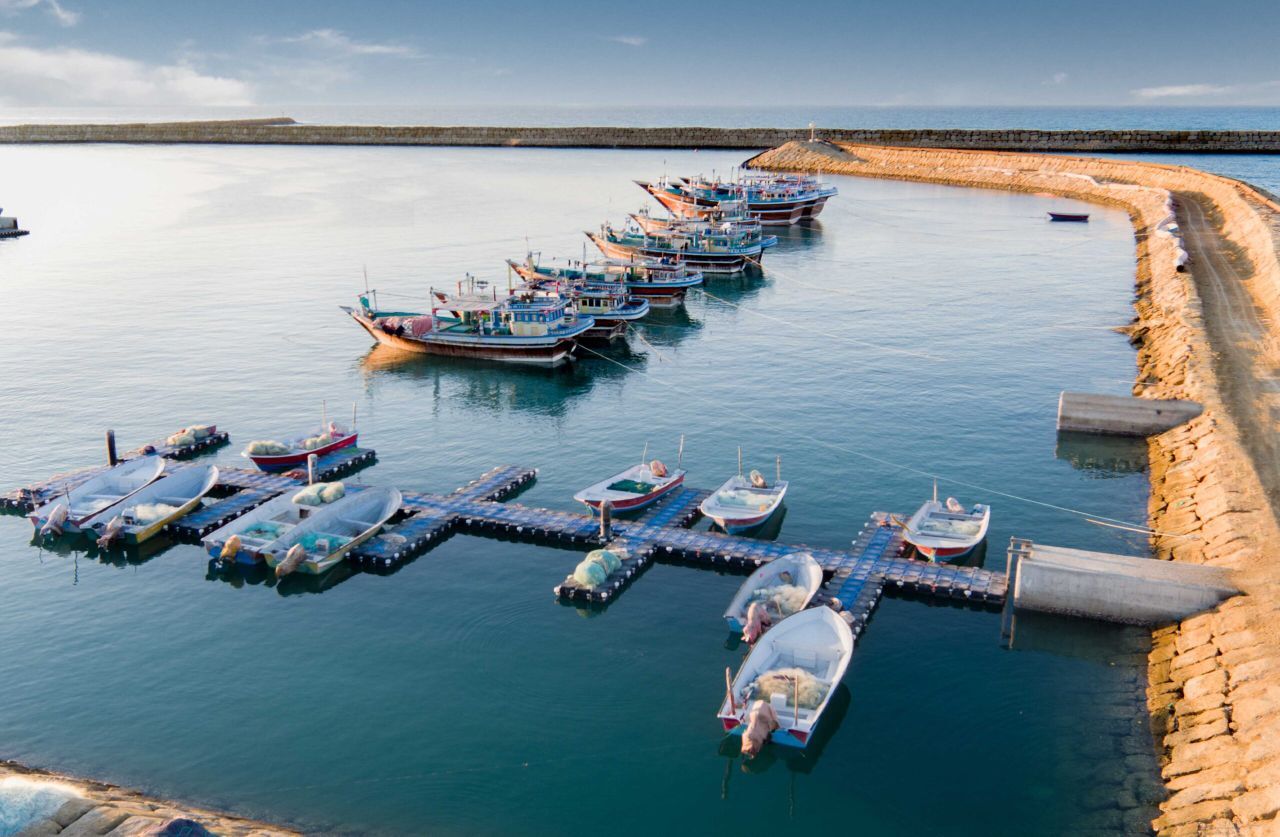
1087, 515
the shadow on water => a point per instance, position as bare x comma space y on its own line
260, 575
795, 759
499, 387
796, 236
117, 555
1102, 456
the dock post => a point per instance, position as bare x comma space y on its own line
606, 521
112, 459
311, 468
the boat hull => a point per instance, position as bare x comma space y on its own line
549, 352
768, 213
934, 553
638, 502
285, 461
706, 262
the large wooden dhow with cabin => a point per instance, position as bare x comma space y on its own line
521, 327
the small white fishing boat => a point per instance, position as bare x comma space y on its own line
147, 511
798, 570
257, 529
794, 668
636, 487
96, 495
329, 532
945, 531
744, 503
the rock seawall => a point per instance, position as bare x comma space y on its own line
94, 808
284, 131
1214, 679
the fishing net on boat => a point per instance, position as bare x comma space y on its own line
745, 498
200, 431
316, 441
266, 447
322, 542
787, 598
147, 513
267, 530
181, 439
319, 493
789, 682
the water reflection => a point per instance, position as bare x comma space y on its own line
795, 759
498, 387
1102, 456
260, 575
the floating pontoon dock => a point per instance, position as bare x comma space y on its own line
856, 577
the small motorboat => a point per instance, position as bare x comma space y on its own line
794, 668
256, 529
329, 532
946, 531
270, 455
743, 503
1079, 217
96, 495
148, 510
798, 570
636, 487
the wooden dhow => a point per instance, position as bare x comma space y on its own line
661, 283
709, 253
518, 328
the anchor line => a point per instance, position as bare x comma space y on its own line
1136, 527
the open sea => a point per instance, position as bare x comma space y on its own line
915, 330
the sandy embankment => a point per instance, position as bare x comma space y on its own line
1209, 335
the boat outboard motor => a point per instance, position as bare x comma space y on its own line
53, 525
114, 527
762, 720
230, 549
292, 560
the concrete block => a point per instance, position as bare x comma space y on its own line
1116, 588
1122, 415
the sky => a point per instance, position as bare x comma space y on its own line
139, 53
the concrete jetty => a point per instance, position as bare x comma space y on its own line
285, 131
1115, 588
1206, 330
1122, 415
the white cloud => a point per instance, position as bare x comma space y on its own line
334, 40
1180, 90
630, 40
1057, 79
68, 76
64, 16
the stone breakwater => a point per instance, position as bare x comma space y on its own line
94, 808
284, 131
1206, 332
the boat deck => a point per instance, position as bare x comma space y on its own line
28, 497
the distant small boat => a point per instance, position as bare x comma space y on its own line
9, 227
1069, 216
333, 530
946, 531
743, 503
636, 487
814, 644
99, 493
147, 511
799, 567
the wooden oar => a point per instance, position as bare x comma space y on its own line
728, 687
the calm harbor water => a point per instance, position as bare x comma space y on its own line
916, 330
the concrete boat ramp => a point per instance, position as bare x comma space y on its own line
1094, 585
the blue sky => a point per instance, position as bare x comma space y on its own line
482, 52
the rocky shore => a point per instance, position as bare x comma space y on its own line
97, 808
1208, 288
